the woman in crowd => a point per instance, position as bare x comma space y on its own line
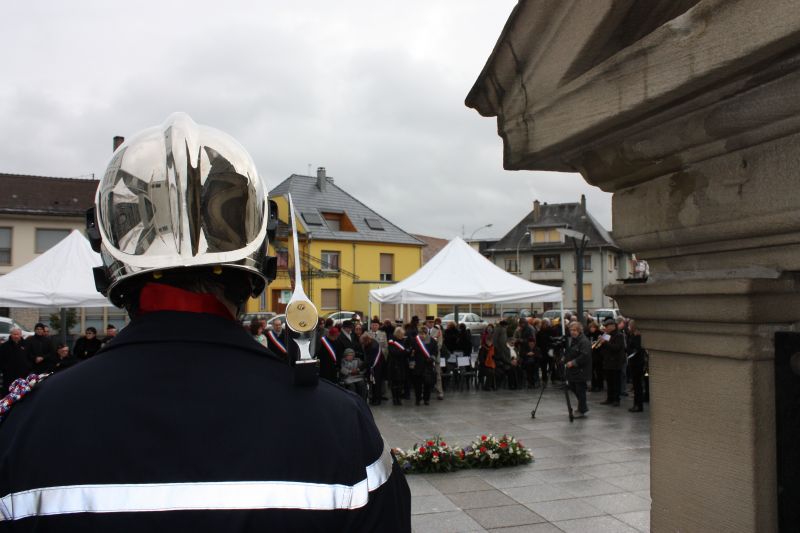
636, 366
257, 331
487, 365
451, 337
398, 365
593, 334
464, 340
358, 331
578, 359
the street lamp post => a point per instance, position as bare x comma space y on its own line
577, 236
526, 234
477, 230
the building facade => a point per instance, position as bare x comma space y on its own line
36, 212
346, 249
535, 250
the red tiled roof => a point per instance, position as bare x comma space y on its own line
43, 195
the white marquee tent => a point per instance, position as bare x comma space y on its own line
460, 275
60, 277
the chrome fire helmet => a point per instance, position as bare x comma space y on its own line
180, 195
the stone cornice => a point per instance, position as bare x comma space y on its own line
708, 54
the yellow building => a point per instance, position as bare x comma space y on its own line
346, 249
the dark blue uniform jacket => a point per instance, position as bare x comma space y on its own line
185, 423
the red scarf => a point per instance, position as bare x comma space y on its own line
160, 297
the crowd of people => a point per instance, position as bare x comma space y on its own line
41, 353
385, 359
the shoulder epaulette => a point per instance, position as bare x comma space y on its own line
18, 390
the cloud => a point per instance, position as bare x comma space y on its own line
373, 91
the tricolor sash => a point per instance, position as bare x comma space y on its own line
397, 345
329, 349
276, 341
423, 348
377, 358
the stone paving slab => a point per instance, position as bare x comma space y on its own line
591, 475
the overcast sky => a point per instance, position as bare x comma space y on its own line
374, 91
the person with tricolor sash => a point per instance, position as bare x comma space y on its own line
329, 353
398, 365
375, 364
423, 353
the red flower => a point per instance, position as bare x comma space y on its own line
430, 443
443, 443
503, 445
520, 445
483, 437
483, 449
462, 454
436, 454
422, 449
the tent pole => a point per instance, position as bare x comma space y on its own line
63, 332
561, 308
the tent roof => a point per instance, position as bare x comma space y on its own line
460, 275
60, 277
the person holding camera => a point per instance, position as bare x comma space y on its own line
612, 344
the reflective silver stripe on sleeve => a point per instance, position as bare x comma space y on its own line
379, 471
205, 496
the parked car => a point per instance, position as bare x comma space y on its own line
516, 314
555, 313
474, 323
5, 329
601, 314
267, 316
340, 316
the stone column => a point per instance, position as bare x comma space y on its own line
695, 127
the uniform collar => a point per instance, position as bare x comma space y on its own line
188, 327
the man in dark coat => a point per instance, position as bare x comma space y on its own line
329, 352
578, 360
14, 362
40, 350
280, 343
612, 345
65, 359
186, 423
88, 345
346, 337
376, 361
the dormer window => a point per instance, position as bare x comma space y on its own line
546, 236
338, 222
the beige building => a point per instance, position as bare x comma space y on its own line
36, 212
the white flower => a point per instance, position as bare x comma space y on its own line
435, 459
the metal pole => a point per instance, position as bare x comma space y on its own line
63, 332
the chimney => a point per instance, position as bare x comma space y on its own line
322, 180
117, 141
583, 202
537, 210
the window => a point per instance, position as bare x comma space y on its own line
544, 236
587, 263
511, 266
338, 222
5, 246
387, 267
587, 292
312, 218
283, 259
610, 262
616, 265
47, 238
547, 262
374, 223
330, 260
330, 298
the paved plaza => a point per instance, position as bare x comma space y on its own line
589, 476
